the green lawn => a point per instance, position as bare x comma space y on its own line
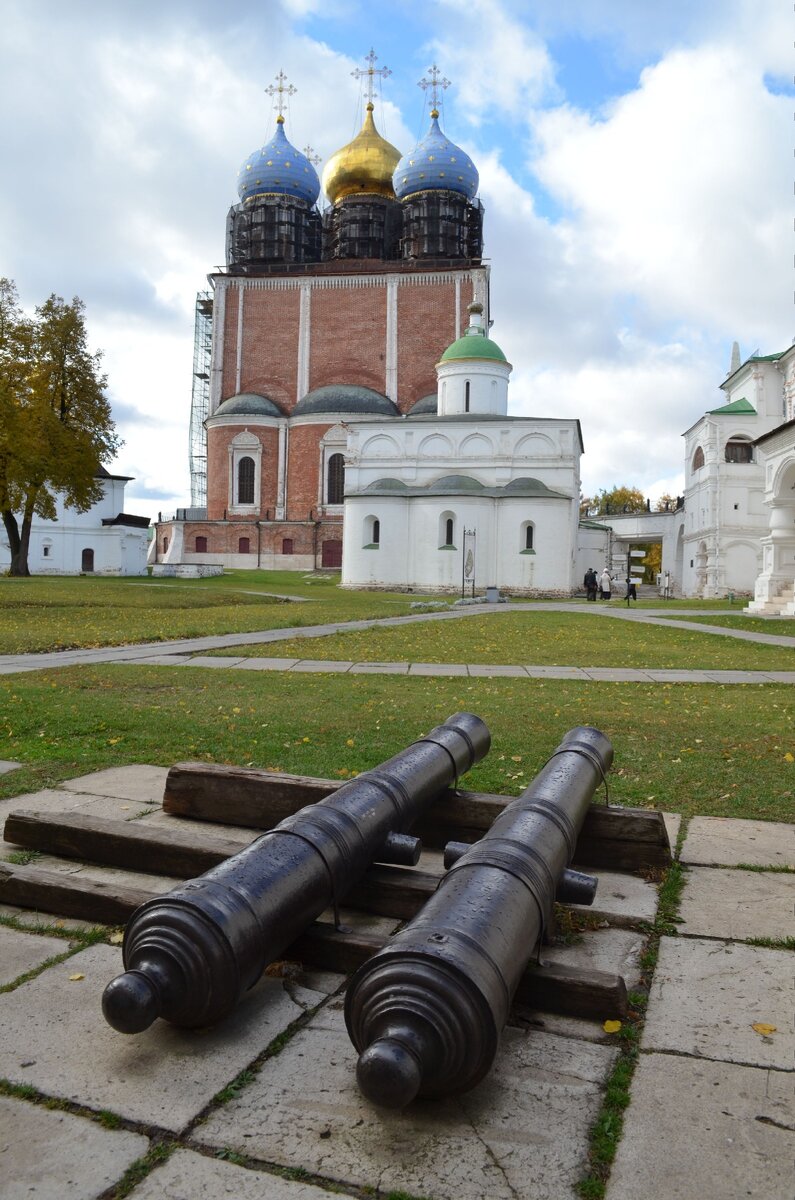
59, 613
776, 625
537, 638
709, 749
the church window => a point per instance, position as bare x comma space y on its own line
528, 538
287, 545
243, 546
372, 533
698, 459
46, 550
447, 531
466, 396
201, 545
335, 484
739, 450
165, 544
245, 480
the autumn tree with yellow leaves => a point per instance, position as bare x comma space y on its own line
56, 427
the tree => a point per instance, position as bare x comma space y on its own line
617, 500
55, 420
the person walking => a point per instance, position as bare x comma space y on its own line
590, 582
605, 584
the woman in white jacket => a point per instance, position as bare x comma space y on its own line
605, 583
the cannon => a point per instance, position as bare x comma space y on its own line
426, 1012
189, 955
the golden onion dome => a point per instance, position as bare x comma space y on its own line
364, 167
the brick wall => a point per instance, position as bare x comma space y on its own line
218, 441
426, 327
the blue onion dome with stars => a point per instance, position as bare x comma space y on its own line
278, 169
435, 164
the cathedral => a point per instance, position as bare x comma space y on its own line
326, 327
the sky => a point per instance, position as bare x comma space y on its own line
636, 168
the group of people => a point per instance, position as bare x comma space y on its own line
594, 583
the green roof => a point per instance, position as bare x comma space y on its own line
462, 485
737, 406
474, 344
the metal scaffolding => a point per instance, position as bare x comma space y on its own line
200, 399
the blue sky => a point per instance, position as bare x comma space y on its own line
635, 164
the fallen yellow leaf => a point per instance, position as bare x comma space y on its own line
611, 1026
116, 939
789, 757
765, 1030
78, 975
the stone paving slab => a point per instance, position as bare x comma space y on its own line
710, 1130
21, 952
211, 660
33, 919
372, 668
737, 676
138, 782
478, 670
624, 896
7, 765
720, 902
53, 1155
780, 676
153, 660
706, 996
728, 841
522, 1132
164, 1076
555, 672
321, 666
617, 674
441, 669
615, 950
673, 823
262, 664
187, 1175
678, 676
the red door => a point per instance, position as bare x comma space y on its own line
331, 553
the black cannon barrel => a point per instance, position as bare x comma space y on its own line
426, 1011
190, 954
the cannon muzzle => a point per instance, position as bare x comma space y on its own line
426, 1011
190, 955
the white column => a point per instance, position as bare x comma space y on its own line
304, 332
391, 353
281, 477
239, 351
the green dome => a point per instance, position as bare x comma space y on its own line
248, 404
474, 344
347, 398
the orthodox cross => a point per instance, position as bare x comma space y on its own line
436, 83
371, 73
310, 154
280, 90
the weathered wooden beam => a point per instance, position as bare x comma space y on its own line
612, 837
552, 988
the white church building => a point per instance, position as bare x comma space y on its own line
104, 540
465, 497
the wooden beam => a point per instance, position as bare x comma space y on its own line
612, 837
553, 988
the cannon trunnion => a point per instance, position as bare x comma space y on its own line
426, 1012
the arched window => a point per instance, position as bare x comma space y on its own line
698, 459
245, 480
376, 532
528, 533
447, 531
739, 450
165, 544
335, 486
371, 533
528, 536
201, 545
466, 396
243, 545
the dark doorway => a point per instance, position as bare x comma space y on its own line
331, 553
87, 560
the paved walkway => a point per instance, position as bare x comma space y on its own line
189, 651
265, 1106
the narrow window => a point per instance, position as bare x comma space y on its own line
335, 486
243, 545
165, 544
46, 551
448, 532
287, 545
528, 537
466, 396
376, 532
245, 481
201, 545
698, 459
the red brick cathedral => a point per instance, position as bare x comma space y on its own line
319, 318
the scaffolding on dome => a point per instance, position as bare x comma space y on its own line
200, 399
